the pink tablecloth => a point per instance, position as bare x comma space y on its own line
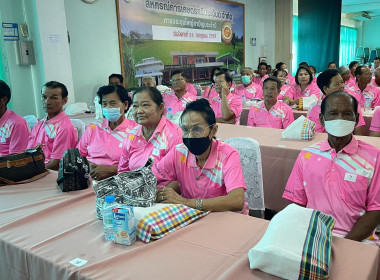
42, 229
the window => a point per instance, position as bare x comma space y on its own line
212, 59
200, 60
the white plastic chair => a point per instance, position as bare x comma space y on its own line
250, 157
31, 120
80, 126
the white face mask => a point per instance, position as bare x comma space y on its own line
339, 128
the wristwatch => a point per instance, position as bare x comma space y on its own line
199, 204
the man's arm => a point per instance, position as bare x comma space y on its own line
364, 227
53, 164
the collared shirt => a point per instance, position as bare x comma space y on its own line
294, 92
279, 116
233, 100
14, 133
221, 173
102, 145
174, 106
249, 92
370, 91
375, 123
373, 82
136, 149
283, 91
57, 135
349, 83
352, 79
210, 92
290, 80
344, 185
259, 80
191, 89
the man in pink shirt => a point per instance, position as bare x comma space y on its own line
248, 89
227, 106
14, 130
270, 112
352, 66
175, 101
191, 89
341, 175
262, 74
55, 132
376, 79
374, 130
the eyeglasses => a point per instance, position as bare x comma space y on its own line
176, 81
196, 130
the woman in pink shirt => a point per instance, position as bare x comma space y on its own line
201, 173
154, 136
352, 66
210, 90
282, 75
313, 71
345, 74
102, 141
374, 130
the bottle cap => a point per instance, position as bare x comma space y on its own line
110, 198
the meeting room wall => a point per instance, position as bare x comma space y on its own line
370, 33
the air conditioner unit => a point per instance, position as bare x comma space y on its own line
361, 16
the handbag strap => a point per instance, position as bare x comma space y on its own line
4, 181
20, 162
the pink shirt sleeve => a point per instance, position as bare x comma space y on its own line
84, 142
290, 92
206, 92
315, 90
124, 157
259, 92
251, 118
233, 173
375, 123
165, 169
313, 115
19, 138
66, 138
289, 117
236, 106
361, 121
373, 193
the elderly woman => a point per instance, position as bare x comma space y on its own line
101, 142
154, 136
210, 90
202, 173
304, 87
248, 89
282, 75
345, 74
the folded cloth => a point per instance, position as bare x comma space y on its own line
165, 221
302, 128
296, 245
77, 108
304, 103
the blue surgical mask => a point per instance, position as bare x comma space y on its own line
111, 114
246, 79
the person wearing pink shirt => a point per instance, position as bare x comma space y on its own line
227, 106
374, 130
352, 66
270, 112
14, 129
154, 136
148, 81
202, 173
304, 86
289, 78
248, 89
341, 175
191, 89
363, 89
116, 79
313, 71
345, 74
376, 80
55, 133
210, 90
102, 141
262, 74
175, 101
281, 74
330, 81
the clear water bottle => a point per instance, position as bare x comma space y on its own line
169, 114
108, 205
243, 99
367, 104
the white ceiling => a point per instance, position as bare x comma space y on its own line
355, 6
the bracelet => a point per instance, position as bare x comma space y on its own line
199, 204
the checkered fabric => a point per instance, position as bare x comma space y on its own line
308, 129
165, 221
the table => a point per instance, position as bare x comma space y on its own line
278, 156
42, 229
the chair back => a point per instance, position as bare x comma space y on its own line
31, 120
80, 126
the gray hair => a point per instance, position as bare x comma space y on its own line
149, 78
343, 69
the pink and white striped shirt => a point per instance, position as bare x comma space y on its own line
210, 92
249, 92
259, 80
233, 100
294, 91
174, 106
370, 91
375, 123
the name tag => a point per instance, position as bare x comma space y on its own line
350, 177
3, 140
120, 145
156, 152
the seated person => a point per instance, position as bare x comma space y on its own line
55, 133
149, 81
154, 136
210, 90
289, 78
175, 101
341, 175
115, 79
376, 78
202, 173
102, 141
345, 74
269, 70
352, 67
270, 112
227, 106
191, 89
313, 71
374, 130
304, 86
248, 89
262, 73
282, 75
14, 129
332, 65
330, 81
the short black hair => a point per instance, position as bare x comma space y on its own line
213, 73
332, 62
324, 79
303, 63
154, 93
352, 64
275, 73
307, 70
55, 84
178, 72
5, 90
358, 70
339, 93
202, 106
279, 64
121, 92
118, 76
313, 67
377, 58
273, 79
227, 76
262, 63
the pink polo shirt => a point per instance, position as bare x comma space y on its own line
373, 82
250, 92
352, 79
14, 133
344, 185
221, 173
57, 135
290, 80
279, 116
259, 80
235, 103
283, 91
315, 110
191, 89
102, 145
294, 91
375, 123
349, 83
176, 105
136, 149
210, 92
370, 91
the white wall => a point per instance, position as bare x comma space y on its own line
370, 33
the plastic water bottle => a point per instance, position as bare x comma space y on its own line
367, 104
243, 99
108, 205
169, 114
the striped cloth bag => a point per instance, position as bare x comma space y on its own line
300, 129
296, 245
165, 221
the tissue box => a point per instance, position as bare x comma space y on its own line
124, 229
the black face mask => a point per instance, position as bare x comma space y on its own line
197, 146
